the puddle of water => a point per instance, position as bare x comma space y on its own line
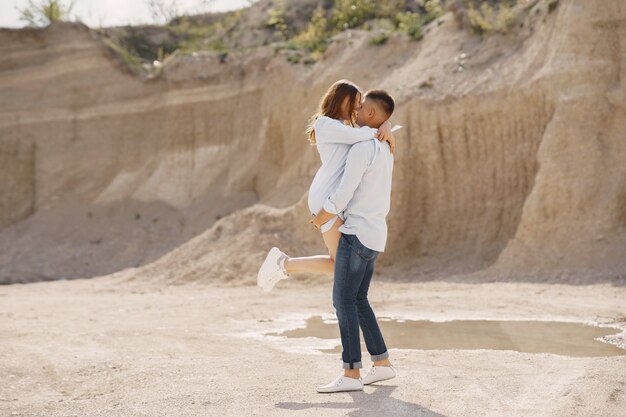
562, 338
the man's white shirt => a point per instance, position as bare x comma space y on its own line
363, 197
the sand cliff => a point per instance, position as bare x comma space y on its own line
513, 168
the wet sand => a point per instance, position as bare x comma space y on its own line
106, 347
558, 337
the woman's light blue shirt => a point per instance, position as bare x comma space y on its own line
333, 139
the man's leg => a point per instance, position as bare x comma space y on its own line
367, 319
349, 272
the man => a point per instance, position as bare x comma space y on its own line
363, 197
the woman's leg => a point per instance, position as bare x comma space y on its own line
323, 264
331, 239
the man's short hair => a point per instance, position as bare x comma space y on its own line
383, 98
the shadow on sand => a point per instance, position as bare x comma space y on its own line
375, 404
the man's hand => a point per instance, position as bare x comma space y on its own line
322, 217
385, 135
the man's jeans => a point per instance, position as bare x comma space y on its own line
354, 267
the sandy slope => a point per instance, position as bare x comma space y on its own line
102, 347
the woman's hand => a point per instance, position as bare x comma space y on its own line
314, 223
322, 217
385, 135
317, 222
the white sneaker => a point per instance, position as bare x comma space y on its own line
379, 373
272, 270
341, 384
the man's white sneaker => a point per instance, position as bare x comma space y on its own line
341, 384
379, 373
272, 270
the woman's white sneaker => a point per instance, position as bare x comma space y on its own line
342, 384
272, 270
379, 373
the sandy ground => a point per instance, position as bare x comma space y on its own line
104, 347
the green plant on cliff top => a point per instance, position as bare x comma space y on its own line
353, 13
379, 39
276, 17
389, 8
316, 36
194, 37
411, 24
44, 12
434, 10
132, 62
488, 19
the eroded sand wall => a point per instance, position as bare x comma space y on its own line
515, 168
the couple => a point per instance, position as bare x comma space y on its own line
349, 199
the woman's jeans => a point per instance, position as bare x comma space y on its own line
354, 267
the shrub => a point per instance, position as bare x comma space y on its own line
489, 19
276, 17
316, 36
379, 39
132, 62
411, 24
389, 8
352, 13
138, 43
193, 36
434, 10
294, 58
44, 12
383, 24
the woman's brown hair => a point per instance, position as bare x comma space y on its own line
330, 105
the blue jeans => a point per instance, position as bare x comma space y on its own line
354, 267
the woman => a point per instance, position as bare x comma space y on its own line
332, 129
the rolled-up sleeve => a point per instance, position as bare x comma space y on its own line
333, 131
356, 164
